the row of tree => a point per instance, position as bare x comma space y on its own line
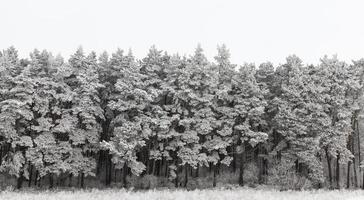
177, 117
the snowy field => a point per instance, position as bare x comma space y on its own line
249, 194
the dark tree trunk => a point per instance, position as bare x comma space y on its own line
359, 151
36, 178
265, 165
19, 182
82, 180
351, 145
197, 171
234, 159
40, 181
115, 173
260, 164
338, 171
58, 181
147, 161
349, 162
1, 154
329, 166
354, 161
161, 167
78, 180
214, 180
242, 164
176, 180
186, 175
107, 182
355, 173
30, 175
348, 175
297, 166
153, 167
110, 170
125, 173
70, 180
108, 165
104, 156
363, 182
241, 175
51, 184
166, 169
100, 161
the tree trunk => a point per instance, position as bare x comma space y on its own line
153, 167
166, 169
296, 166
58, 181
82, 180
215, 171
70, 180
234, 159
352, 147
186, 175
241, 175
36, 178
109, 169
354, 161
30, 175
115, 173
100, 161
197, 171
147, 161
348, 175
260, 164
19, 182
107, 182
355, 173
363, 182
51, 181
40, 181
265, 165
338, 171
125, 173
359, 152
1, 154
350, 138
161, 167
176, 179
329, 166
242, 163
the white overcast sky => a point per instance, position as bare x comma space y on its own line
254, 30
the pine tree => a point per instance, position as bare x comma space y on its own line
84, 115
131, 124
248, 110
334, 141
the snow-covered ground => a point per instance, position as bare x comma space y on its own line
249, 194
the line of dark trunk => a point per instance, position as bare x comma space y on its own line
328, 159
30, 175
186, 176
215, 172
242, 165
338, 170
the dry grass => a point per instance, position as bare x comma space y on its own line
245, 193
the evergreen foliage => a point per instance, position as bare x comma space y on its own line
178, 118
